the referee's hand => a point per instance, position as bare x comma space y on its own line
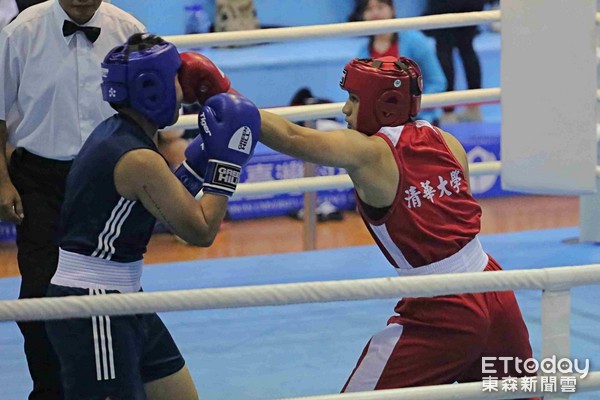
11, 208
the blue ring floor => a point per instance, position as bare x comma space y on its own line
310, 349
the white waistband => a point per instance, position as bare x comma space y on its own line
78, 270
470, 258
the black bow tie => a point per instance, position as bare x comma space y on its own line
91, 32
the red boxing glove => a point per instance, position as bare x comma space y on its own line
200, 78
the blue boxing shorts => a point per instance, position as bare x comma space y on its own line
110, 356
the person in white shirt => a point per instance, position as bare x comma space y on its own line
50, 101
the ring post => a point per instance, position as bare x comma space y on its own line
548, 80
556, 307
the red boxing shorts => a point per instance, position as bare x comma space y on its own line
442, 340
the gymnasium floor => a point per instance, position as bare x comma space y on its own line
288, 351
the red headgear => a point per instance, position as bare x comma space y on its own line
389, 90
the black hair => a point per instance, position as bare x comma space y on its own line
141, 41
358, 15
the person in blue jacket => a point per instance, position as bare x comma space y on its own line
411, 44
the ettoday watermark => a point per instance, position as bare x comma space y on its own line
549, 375
547, 366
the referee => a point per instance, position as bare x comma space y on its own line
50, 101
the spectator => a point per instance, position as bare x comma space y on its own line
47, 117
412, 44
461, 38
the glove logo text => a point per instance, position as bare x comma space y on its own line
227, 176
241, 140
204, 125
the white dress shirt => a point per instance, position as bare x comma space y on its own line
50, 94
8, 10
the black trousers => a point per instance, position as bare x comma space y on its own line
41, 185
462, 39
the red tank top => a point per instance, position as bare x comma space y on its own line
432, 225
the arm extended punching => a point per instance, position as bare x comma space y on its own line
344, 148
368, 159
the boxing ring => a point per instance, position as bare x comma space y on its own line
247, 294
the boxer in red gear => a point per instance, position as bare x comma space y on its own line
200, 78
411, 181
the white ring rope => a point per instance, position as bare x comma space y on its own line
341, 181
461, 391
334, 30
331, 110
557, 278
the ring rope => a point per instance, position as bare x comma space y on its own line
333, 30
331, 110
341, 181
337, 30
557, 278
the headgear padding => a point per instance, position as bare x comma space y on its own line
388, 88
141, 75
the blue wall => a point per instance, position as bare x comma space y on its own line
168, 17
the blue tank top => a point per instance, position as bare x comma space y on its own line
95, 219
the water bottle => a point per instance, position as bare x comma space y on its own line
196, 19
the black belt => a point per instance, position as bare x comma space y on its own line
33, 159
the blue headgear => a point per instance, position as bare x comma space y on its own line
141, 75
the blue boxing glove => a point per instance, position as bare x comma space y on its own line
230, 126
193, 170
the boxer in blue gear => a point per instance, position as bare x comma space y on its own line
117, 187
